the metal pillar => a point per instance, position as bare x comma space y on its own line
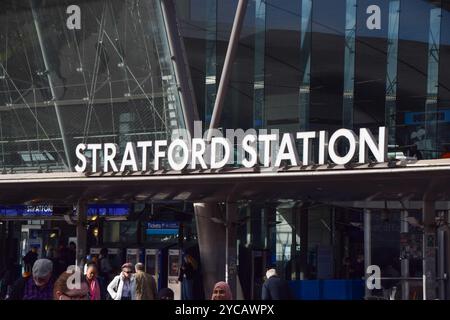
404, 260
441, 244
211, 242
429, 250
227, 66
49, 72
81, 232
180, 65
304, 230
231, 247
367, 246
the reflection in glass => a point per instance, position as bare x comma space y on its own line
110, 81
433, 81
349, 64
391, 75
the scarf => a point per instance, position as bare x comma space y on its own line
94, 290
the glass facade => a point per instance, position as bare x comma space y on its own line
111, 80
328, 64
324, 65
300, 65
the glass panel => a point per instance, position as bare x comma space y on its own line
327, 64
282, 64
211, 80
391, 76
305, 63
349, 63
370, 64
412, 75
258, 95
112, 80
443, 124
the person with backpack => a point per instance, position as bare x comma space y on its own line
123, 286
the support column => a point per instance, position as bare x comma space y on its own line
404, 259
50, 78
227, 66
81, 231
367, 246
304, 217
211, 242
231, 247
441, 244
2, 244
429, 250
180, 64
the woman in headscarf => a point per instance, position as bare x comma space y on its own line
221, 291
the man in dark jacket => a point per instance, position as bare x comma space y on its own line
275, 288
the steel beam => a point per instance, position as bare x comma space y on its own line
49, 72
181, 67
227, 66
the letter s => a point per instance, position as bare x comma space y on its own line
78, 151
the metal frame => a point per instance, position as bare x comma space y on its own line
227, 66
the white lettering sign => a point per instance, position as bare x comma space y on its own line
268, 148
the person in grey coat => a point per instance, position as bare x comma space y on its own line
275, 288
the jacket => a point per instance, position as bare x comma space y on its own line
145, 286
275, 288
115, 287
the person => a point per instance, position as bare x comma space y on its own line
87, 263
18, 287
30, 258
39, 286
358, 268
8, 277
61, 291
187, 276
72, 253
221, 291
123, 286
104, 264
275, 288
145, 284
165, 294
95, 292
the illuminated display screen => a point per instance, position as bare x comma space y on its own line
26, 211
157, 228
108, 210
49, 210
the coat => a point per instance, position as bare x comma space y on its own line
145, 286
115, 287
275, 288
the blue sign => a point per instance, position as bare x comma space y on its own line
26, 211
162, 228
440, 116
108, 209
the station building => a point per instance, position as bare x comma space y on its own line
124, 72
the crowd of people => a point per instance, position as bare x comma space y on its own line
43, 279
